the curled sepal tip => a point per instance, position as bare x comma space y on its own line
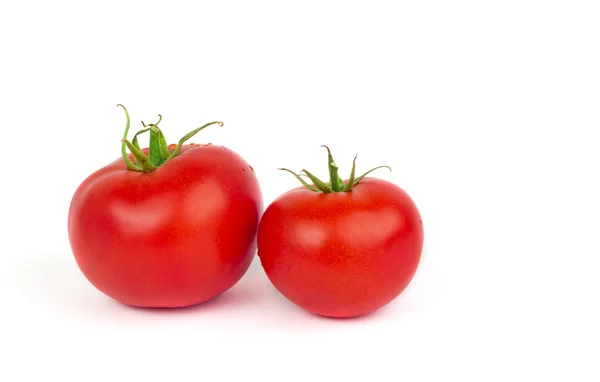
153, 124
130, 165
370, 171
177, 150
298, 176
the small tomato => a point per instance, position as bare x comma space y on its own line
343, 248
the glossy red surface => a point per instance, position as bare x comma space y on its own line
341, 254
175, 237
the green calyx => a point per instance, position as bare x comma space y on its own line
158, 149
335, 184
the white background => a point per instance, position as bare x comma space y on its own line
488, 113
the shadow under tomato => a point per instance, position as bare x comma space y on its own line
236, 297
53, 282
56, 282
376, 315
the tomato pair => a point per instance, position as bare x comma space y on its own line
177, 225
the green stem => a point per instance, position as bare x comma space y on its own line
335, 181
156, 153
350, 184
322, 186
134, 141
141, 158
162, 144
336, 184
158, 149
128, 161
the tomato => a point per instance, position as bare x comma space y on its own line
166, 226
343, 248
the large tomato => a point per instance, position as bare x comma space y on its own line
166, 226
343, 248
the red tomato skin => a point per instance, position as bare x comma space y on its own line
178, 236
341, 254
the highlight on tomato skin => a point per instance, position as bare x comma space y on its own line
342, 248
166, 226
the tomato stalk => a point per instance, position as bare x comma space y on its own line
335, 184
158, 149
